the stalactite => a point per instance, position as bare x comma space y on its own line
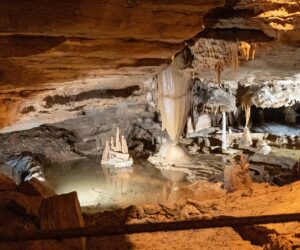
254, 50
174, 98
246, 105
224, 140
245, 50
218, 70
216, 55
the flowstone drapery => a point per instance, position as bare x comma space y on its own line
174, 98
174, 105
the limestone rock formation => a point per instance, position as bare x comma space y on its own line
62, 212
237, 177
263, 147
276, 18
116, 152
24, 168
55, 64
6, 183
280, 95
174, 98
34, 187
171, 154
73, 71
54, 144
115, 43
30, 207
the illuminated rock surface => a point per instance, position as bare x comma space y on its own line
72, 72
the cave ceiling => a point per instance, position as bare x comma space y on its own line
58, 52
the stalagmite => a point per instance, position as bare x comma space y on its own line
116, 153
118, 143
112, 144
124, 145
224, 142
105, 153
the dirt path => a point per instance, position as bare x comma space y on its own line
201, 203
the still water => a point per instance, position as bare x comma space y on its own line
101, 187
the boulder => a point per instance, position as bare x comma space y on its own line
6, 183
237, 177
136, 212
189, 211
263, 147
34, 187
61, 212
25, 205
282, 161
151, 209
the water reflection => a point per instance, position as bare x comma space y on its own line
117, 179
170, 191
102, 187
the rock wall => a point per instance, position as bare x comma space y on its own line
48, 143
107, 44
69, 60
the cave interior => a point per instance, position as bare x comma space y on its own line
130, 124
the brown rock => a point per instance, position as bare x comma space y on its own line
197, 217
136, 212
237, 177
61, 212
21, 204
170, 211
151, 209
145, 20
6, 183
110, 42
206, 216
189, 211
27, 245
34, 187
161, 218
194, 203
203, 208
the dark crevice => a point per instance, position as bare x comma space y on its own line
145, 62
98, 94
235, 34
24, 45
230, 34
27, 110
257, 235
226, 13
